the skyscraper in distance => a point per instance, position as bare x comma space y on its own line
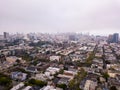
115, 38
6, 35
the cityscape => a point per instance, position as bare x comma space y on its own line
59, 44
62, 61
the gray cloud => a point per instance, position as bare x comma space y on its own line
94, 16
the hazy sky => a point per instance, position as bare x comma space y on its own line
94, 16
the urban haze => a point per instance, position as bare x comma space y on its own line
59, 45
52, 16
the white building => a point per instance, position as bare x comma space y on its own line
17, 87
52, 70
50, 88
55, 58
27, 88
90, 85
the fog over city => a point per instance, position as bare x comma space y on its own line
59, 44
50, 16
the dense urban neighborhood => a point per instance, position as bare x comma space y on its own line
61, 61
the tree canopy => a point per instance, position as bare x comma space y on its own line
36, 82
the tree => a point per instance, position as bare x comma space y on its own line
72, 84
90, 58
5, 81
36, 82
63, 86
113, 88
18, 61
31, 81
106, 76
61, 71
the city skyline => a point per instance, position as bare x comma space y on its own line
95, 17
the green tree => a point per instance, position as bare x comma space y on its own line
18, 61
72, 84
106, 76
113, 88
63, 86
5, 81
36, 82
61, 71
90, 58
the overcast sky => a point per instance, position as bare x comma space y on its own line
94, 16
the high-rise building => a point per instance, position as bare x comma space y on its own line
110, 38
6, 35
115, 38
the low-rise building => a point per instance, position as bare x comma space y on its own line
90, 85
55, 58
27, 88
17, 87
50, 88
31, 69
52, 70
18, 76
